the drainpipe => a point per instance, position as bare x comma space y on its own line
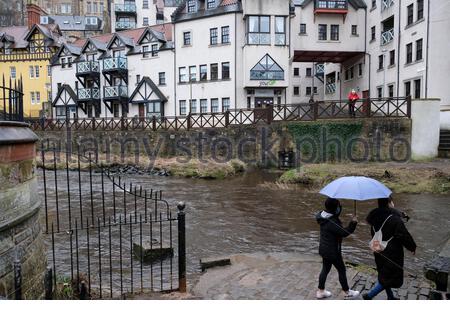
235, 61
175, 69
365, 48
398, 47
428, 49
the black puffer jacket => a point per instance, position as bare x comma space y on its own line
331, 234
390, 261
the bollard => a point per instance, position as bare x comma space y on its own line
17, 280
182, 247
83, 291
48, 282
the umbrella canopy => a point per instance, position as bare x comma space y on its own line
356, 188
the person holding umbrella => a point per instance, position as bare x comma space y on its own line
387, 225
331, 234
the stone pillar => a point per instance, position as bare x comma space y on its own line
21, 237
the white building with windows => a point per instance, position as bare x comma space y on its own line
222, 54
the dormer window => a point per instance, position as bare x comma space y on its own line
210, 4
191, 6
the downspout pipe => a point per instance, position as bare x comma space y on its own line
398, 47
428, 50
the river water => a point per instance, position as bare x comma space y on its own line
247, 214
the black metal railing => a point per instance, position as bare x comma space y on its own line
331, 4
332, 109
107, 238
11, 100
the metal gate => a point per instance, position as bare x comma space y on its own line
107, 238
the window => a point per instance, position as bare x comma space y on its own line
69, 62
322, 32
226, 70
182, 105
417, 88
49, 71
302, 28
192, 73
214, 105
419, 49
280, 31
374, 4
138, 79
267, 69
162, 78
63, 63
409, 53
373, 33
407, 89
145, 51
225, 104
226, 34
315, 90
145, 4
193, 106
203, 72
309, 72
391, 57
308, 91
12, 72
89, 7
213, 36
116, 110
380, 92
66, 8
296, 91
145, 21
33, 98
210, 4
186, 38
410, 14
258, 29
335, 32
380, 62
31, 71
360, 70
38, 97
391, 90
155, 50
354, 30
182, 75
419, 9
191, 6
296, 72
153, 108
352, 72
203, 106
214, 71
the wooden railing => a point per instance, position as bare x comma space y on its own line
322, 110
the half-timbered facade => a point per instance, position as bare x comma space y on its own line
25, 53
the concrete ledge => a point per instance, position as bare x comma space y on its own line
16, 133
438, 269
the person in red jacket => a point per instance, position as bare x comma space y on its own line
352, 98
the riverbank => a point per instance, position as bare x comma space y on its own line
413, 177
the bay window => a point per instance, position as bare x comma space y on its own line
258, 30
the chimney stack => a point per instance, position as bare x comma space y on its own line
34, 13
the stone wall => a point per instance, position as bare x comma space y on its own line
21, 238
321, 141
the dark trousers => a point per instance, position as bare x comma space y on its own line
351, 109
340, 267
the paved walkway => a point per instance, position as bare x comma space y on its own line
286, 276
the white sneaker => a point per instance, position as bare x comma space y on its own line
323, 294
351, 294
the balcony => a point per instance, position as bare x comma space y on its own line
112, 65
320, 69
88, 94
125, 9
115, 93
331, 6
88, 68
386, 4
125, 25
330, 88
387, 37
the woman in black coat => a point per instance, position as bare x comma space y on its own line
331, 234
390, 261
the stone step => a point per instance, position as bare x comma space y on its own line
445, 154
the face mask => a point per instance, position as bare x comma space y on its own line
338, 210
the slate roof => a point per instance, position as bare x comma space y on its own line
75, 23
355, 3
224, 6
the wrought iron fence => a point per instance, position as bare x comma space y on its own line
108, 238
320, 110
11, 100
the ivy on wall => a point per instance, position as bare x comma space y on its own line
322, 142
